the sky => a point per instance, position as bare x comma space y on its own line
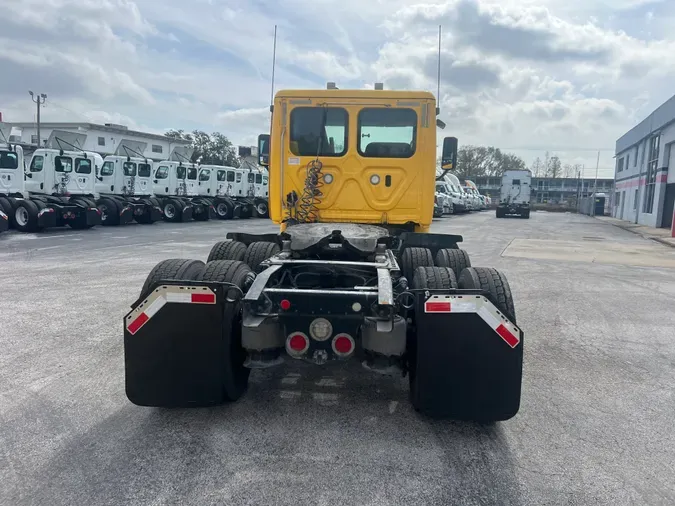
564, 76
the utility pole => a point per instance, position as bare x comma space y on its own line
39, 100
595, 183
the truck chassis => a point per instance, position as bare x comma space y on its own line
401, 303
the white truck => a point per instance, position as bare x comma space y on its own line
514, 195
126, 192
176, 187
450, 187
56, 190
217, 184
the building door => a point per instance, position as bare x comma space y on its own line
623, 203
668, 206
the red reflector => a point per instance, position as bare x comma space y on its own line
204, 298
297, 343
507, 336
343, 345
138, 323
437, 307
285, 304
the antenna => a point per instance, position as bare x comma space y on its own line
438, 92
274, 64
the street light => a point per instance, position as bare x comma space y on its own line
39, 100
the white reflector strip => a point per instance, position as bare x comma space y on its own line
185, 298
154, 307
489, 319
160, 297
479, 305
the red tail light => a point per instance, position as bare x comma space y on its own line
343, 345
297, 344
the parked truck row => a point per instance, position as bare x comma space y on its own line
82, 189
454, 197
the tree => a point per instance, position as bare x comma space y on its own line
537, 168
476, 161
553, 167
214, 149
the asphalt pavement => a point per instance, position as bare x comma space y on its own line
595, 426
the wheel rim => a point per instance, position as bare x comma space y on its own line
21, 216
262, 208
221, 209
104, 212
169, 211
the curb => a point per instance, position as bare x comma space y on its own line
632, 231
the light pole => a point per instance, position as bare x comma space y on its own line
39, 100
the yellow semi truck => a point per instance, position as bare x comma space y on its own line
353, 274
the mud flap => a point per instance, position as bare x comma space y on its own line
176, 346
186, 214
47, 217
126, 213
4, 222
93, 216
468, 360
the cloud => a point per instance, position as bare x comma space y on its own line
532, 74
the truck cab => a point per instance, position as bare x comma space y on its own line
369, 159
123, 175
177, 187
59, 172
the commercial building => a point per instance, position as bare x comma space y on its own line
554, 191
645, 187
107, 139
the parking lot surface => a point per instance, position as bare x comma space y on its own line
595, 426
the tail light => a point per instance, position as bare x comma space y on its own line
343, 345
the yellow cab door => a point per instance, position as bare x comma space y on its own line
376, 158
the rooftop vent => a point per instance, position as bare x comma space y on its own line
115, 125
331, 86
379, 86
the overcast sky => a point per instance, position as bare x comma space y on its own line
569, 76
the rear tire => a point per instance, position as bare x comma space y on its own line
110, 211
173, 269
412, 258
493, 282
262, 208
224, 209
257, 252
25, 216
173, 210
455, 259
235, 375
227, 250
434, 278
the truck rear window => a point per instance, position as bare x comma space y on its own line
515, 181
144, 170
258, 178
319, 131
192, 173
63, 164
82, 165
387, 133
129, 168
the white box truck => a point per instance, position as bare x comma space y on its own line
514, 196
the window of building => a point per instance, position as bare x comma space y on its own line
33, 139
101, 141
319, 131
205, 174
617, 198
619, 165
10, 160
108, 169
635, 200
129, 168
220, 175
156, 148
650, 182
144, 169
387, 133
162, 172
83, 165
637, 151
192, 173
63, 164
230, 176
627, 161
258, 178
